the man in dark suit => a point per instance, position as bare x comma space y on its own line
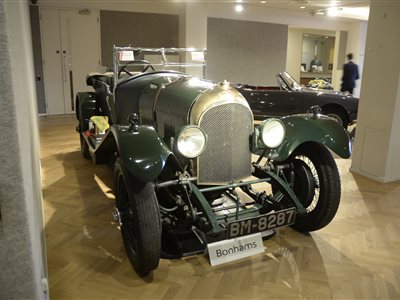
350, 75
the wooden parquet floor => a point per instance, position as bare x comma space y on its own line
356, 257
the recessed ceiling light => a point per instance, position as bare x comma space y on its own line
263, 2
332, 11
302, 7
320, 13
239, 8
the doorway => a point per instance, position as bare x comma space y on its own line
71, 49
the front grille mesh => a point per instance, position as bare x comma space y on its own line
227, 157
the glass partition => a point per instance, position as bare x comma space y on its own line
317, 57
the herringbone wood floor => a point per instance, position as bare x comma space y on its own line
356, 257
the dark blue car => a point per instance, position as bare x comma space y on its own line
290, 97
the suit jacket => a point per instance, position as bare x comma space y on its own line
350, 75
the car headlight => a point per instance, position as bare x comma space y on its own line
272, 133
191, 141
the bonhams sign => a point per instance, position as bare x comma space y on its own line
233, 249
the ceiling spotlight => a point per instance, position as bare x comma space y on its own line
302, 7
332, 11
320, 12
263, 2
239, 8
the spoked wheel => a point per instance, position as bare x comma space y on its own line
139, 217
316, 184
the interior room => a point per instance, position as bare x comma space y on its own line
130, 172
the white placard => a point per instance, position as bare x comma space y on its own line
197, 56
230, 250
126, 55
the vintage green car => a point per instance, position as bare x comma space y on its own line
190, 167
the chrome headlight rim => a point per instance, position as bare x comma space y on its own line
183, 145
272, 133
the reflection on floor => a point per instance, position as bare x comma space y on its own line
356, 256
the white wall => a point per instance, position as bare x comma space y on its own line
356, 38
254, 54
377, 143
193, 21
293, 54
137, 6
194, 14
22, 246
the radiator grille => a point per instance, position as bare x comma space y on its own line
227, 157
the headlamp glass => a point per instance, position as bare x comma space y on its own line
191, 141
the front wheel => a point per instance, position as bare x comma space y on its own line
139, 218
316, 183
337, 115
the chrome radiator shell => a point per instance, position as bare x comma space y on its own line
227, 120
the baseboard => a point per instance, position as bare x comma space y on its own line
373, 177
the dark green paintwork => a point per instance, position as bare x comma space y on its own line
284, 188
151, 93
86, 107
209, 214
307, 128
182, 93
143, 153
212, 218
174, 104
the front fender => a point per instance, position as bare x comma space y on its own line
306, 128
86, 107
143, 152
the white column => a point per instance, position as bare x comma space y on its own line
356, 45
196, 25
377, 142
22, 241
194, 31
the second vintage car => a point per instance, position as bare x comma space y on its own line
289, 97
189, 166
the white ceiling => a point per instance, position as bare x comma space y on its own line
352, 9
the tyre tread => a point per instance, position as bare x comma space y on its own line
146, 213
326, 208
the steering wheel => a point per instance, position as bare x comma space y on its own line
133, 62
123, 69
148, 67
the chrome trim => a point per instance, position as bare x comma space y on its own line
218, 94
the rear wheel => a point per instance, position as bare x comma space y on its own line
139, 218
316, 184
84, 147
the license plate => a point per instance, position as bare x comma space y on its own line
261, 223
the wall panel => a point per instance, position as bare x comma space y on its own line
245, 52
136, 29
